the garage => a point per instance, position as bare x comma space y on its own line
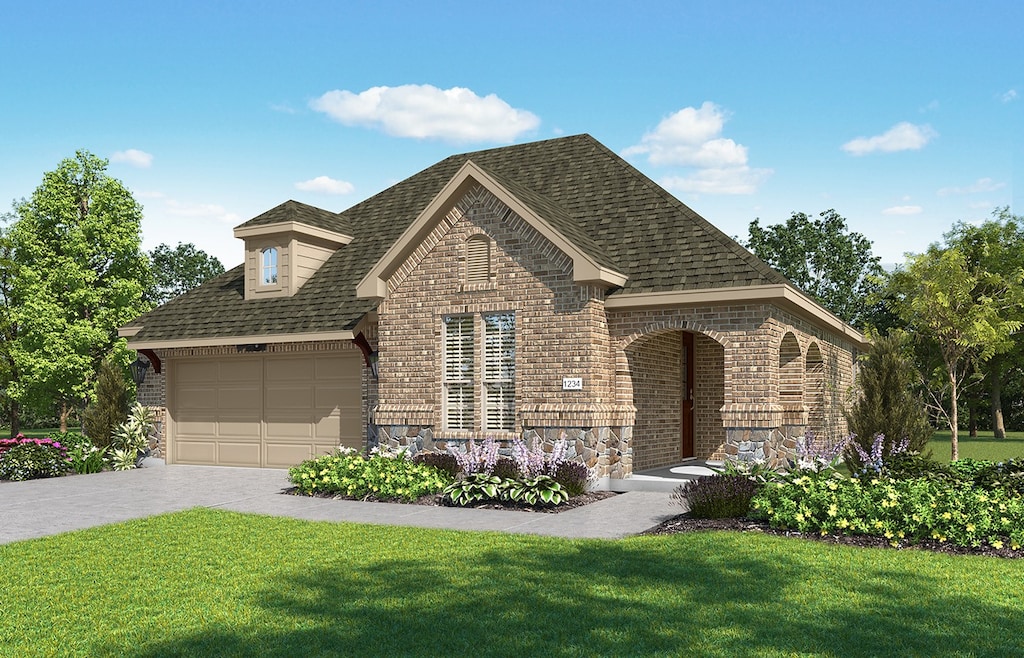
263, 410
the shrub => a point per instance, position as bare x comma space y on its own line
506, 469
534, 460
1006, 475
380, 477
717, 496
102, 417
131, 439
83, 456
898, 510
885, 402
573, 476
443, 461
29, 459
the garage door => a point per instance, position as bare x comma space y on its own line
263, 410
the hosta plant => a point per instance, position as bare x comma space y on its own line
475, 488
540, 490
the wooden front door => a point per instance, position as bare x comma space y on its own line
686, 407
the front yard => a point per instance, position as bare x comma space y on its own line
206, 582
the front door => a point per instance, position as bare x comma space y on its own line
686, 410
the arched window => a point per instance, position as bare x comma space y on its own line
478, 259
268, 266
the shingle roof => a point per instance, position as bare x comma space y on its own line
296, 211
615, 214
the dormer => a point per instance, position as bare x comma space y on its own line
285, 246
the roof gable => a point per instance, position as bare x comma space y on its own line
590, 263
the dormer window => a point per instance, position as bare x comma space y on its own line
268, 270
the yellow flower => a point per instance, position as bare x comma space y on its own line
970, 527
832, 510
843, 523
888, 534
997, 544
947, 516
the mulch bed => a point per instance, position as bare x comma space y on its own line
686, 523
435, 500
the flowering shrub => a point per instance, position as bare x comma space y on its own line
83, 456
476, 458
816, 454
573, 476
379, 477
22, 458
534, 461
717, 496
899, 510
872, 462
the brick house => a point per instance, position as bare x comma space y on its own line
539, 290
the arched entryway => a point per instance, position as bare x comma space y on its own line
815, 391
678, 389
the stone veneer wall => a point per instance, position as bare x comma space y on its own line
560, 331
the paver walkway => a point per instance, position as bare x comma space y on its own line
46, 507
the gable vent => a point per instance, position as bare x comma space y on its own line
478, 259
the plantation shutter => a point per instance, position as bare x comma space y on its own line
499, 371
458, 372
478, 259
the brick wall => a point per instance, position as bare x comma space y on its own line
655, 363
560, 327
708, 396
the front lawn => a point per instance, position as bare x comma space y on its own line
207, 582
984, 446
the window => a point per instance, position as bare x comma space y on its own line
268, 267
496, 394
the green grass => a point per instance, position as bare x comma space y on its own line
207, 582
39, 432
984, 446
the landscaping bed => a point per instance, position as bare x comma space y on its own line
688, 523
437, 500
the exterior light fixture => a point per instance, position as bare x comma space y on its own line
139, 368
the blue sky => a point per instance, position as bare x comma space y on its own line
903, 116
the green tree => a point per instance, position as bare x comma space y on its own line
885, 401
178, 270
995, 247
110, 407
936, 296
8, 331
81, 274
822, 257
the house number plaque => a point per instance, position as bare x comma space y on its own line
572, 383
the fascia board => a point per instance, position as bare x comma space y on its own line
216, 341
298, 228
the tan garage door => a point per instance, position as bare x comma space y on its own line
263, 410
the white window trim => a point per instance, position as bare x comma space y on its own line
488, 373
274, 268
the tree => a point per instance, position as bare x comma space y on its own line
886, 402
995, 247
110, 408
81, 274
822, 258
178, 270
936, 296
8, 331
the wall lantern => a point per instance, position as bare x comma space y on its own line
139, 368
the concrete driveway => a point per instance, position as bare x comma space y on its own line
39, 508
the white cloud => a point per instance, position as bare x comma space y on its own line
424, 111
932, 106
730, 180
692, 137
1008, 96
133, 157
903, 136
903, 210
325, 185
201, 211
980, 185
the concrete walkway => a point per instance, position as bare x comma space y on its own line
39, 508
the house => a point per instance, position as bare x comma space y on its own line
539, 290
